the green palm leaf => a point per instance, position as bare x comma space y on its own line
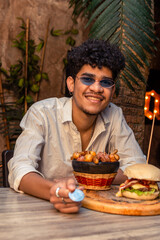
118, 85
128, 23
103, 11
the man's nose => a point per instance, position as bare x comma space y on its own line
96, 87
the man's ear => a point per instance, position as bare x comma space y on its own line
70, 84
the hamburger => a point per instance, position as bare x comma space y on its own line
141, 183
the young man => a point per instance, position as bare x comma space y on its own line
53, 129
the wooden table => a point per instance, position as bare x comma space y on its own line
24, 217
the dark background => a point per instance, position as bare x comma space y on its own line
154, 84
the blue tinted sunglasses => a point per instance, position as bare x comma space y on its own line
105, 83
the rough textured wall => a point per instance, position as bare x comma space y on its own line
39, 11
132, 104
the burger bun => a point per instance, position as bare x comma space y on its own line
141, 197
143, 171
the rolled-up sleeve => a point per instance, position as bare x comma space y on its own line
27, 149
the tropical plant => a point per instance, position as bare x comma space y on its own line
70, 33
22, 79
70, 41
127, 23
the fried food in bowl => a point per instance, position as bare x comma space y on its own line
95, 171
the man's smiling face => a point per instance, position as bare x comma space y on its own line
94, 98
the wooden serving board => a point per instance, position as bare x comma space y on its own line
106, 201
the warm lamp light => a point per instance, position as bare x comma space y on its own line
156, 110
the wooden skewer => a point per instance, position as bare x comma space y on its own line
43, 55
4, 116
149, 147
114, 152
26, 66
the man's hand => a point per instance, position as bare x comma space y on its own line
63, 203
33, 184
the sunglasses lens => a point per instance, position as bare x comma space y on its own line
87, 81
107, 83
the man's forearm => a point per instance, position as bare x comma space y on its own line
33, 184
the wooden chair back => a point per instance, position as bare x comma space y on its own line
6, 156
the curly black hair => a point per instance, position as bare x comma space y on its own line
96, 53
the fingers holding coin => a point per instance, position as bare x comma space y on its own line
64, 197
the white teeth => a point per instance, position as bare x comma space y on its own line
94, 98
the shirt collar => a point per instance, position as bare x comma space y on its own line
67, 110
102, 121
105, 114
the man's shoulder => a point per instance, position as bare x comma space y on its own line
112, 112
50, 103
112, 109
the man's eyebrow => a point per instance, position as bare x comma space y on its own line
94, 76
88, 74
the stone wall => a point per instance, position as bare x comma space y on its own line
57, 11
